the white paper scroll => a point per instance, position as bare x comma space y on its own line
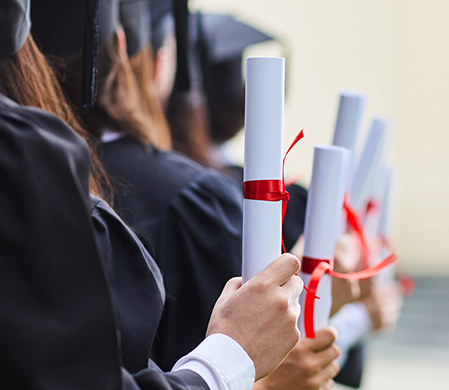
369, 166
386, 276
347, 129
323, 215
349, 116
372, 219
264, 122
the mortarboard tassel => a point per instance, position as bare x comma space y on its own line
181, 13
90, 54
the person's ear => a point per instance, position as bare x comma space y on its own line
121, 37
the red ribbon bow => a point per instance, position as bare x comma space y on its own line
318, 268
271, 190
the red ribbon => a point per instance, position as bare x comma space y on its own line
271, 190
406, 283
318, 268
355, 223
372, 206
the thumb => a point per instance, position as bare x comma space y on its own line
230, 288
280, 270
324, 338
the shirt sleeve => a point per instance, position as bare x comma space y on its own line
221, 362
353, 323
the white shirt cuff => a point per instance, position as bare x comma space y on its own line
221, 362
353, 322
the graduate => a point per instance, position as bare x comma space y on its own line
191, 215
58, 323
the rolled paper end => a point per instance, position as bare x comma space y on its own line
349, 116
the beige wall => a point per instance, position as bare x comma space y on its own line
394, 51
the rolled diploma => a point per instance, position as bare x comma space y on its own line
264, 121
369, 166
372, 220
386, 276
323, 215
345, 176
347, 126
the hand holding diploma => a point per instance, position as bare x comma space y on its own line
323, 215
310, 365
262, 314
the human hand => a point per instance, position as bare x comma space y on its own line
309, 366
346, 259
384, 306
262, 314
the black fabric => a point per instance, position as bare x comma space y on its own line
135, 16
59, 25
154, 379
191, 219
352, 371
135, 281
56, 323
295, 216
14, 25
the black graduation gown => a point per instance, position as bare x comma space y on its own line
135, 282
56, 318
57, 328
191, 221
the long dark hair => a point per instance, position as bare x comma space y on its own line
142, 66
27, 78
119, 105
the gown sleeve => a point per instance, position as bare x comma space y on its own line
135, 283
198, 249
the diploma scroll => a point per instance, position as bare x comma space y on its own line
323, 215
369, 166
347, 126
383, 230
264, 121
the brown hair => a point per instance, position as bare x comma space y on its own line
189, 124
27, 78
142, 66
119, 105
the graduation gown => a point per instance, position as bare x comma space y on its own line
56, 317
135, 283
56, 324
190, 218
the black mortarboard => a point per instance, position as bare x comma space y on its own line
14, 25
64, 27
135, 16
224, 40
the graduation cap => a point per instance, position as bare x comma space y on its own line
14, 25
65, 27
224, 40
135, 16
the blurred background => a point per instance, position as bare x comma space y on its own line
396, 53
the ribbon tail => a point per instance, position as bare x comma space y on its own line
356, 224
309, 302
366, 273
